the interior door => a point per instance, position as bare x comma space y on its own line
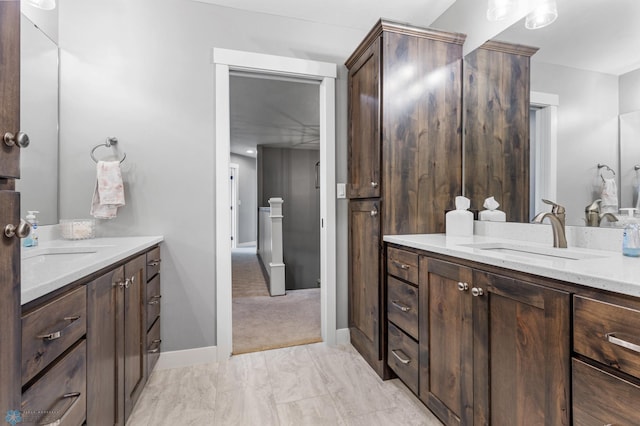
10, 333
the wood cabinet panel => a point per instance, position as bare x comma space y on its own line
600, 398
60, 394
364, 125
153, 298
496, 102
403, 264
9, 85
602, 329
153, 346
51, 329
153, 262
402, 306
364, 290
403, 357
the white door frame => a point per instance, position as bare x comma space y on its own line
546, 173
231, 60
233, 171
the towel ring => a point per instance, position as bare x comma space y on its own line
609, 169
108, 143
636, 167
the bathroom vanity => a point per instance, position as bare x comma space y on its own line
491, 331
90, 328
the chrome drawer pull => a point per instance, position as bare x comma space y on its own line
154, 262
58, 422
403, 359
155, 299
154, 342
403, 308
58, 334
401, 265
611, 338
154, 302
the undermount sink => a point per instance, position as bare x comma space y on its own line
535, 252
38, 254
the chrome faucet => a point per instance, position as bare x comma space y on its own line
593, 215
557, 220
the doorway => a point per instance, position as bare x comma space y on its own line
233, 201
325, 73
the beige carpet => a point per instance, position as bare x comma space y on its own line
262, 322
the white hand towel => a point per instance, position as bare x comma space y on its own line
108, 194
609, 196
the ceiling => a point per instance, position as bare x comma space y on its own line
596, 35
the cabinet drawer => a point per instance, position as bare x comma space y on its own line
607, 333
153, 300
600, 398
153, 262
60, 394
403, 357
402, 264
153, 346
51, 329
402, 306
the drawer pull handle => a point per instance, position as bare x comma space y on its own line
157, 348
58, 334
154, 302
401, 265
611, 338
154, 262
403, 308
403, 359
58, 422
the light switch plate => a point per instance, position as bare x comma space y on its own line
341, 190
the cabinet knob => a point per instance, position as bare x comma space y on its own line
374, 212
20, 231
21, 139
477, 291
463, 286
125, 284
374, 184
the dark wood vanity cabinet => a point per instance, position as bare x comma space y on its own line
117, 337
491, 349
496, 126
404, 157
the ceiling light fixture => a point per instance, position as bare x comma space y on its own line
497, 10
43, 4
543, 14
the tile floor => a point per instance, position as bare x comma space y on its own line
302, 385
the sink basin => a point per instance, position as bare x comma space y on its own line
65, 254
533, 252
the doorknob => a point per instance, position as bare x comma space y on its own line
21, 231
20, 138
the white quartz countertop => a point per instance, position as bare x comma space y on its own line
56, 263
606, 270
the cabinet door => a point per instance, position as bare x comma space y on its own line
364, 273
446, 340
105, 346
522, 352
9, 86
364, 125
134, 332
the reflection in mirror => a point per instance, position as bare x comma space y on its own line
582, 59
630, 159
39, 119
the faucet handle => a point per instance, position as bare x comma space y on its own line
556, 208
593, 207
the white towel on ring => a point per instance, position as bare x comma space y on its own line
108, 194
609, 196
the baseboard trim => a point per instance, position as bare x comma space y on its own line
247, 244
343, 337
187, 357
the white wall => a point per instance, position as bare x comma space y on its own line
247, 197
587, 130
141, 71
630, 92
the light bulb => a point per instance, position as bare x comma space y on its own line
544, 13
43, 4
499, 9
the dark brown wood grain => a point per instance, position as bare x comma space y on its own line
154, 345
135, 352
600, 398
406, 349
403, 264
402, 306
105, 328
9, 85
153, 262
66, 315
593, 320
10, 334
153, 301
496, 148
44, 402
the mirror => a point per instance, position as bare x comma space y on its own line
582, 59
38, 184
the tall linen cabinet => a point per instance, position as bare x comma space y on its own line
404, 158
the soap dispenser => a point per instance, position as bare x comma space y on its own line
31, 240
631, 235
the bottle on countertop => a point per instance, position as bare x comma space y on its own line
31, 240
459, 222
631, 235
